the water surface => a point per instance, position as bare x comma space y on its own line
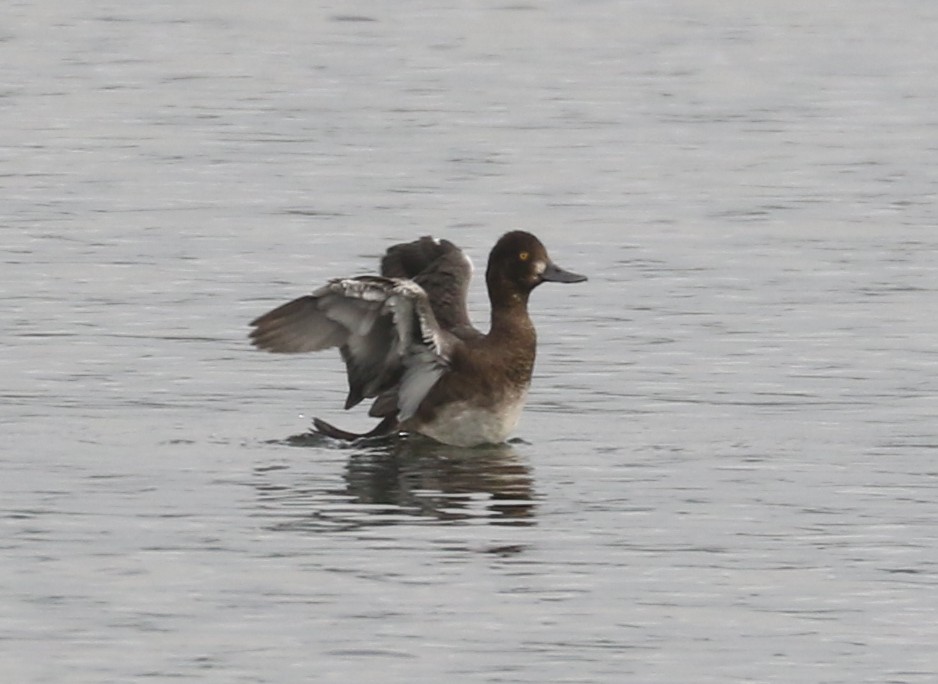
726, 472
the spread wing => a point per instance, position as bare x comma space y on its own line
385, 329
443, 271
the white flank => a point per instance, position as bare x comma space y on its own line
465, 424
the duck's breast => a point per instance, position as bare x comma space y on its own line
470, 423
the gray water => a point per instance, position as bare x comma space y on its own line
726, 471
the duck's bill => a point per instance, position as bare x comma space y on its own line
554, 274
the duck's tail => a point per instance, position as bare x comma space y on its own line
387, 426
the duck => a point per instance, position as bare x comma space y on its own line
408, 343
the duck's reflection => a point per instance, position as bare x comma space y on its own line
394, 481
448, 483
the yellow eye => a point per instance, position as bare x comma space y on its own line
524, 256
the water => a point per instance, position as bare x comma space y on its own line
726, 471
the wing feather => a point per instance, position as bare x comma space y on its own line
297, 326
385, 329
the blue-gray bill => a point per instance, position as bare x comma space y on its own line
554, 274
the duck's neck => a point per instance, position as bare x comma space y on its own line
512, 333
510, 320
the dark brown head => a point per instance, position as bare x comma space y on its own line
518, 263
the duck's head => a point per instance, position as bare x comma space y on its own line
520, 261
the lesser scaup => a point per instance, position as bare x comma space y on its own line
407, 341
